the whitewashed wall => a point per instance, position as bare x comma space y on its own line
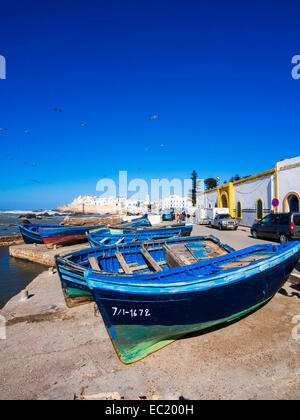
288, 175
249, 192
207, 200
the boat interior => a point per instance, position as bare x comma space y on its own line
154, 257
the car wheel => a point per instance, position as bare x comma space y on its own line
254, 234
283, 238
220, 227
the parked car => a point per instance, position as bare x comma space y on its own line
224, 221
168, 216
281, 226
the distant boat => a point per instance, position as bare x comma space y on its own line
163, 299
122, 235
136, 222
72, 267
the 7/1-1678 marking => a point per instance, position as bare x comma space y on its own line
131, 312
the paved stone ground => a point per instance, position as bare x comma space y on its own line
52, 352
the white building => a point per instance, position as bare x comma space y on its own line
250, 199
172, 202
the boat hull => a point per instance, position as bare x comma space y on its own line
140, 323
30, 233
65, 236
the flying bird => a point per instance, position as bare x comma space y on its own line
35, 180
154, 117
57, 110
27, 131
33, 164
3, 129
83, 124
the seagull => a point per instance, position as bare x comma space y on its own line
154, 117
33, 164
57, 109
3, 129
27, 131
35, 180
83, 124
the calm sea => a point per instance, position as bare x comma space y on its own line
15, 274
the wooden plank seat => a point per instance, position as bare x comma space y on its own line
150, 259
123, 263
94, 263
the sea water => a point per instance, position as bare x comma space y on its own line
16, 274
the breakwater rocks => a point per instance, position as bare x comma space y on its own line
11, 240
90, 221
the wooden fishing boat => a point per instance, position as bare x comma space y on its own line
124, 235
31, 234
72, 267
138, 222
164, 299
69, 235
65, 235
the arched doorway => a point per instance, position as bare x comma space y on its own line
259, 209
224, 200
291, 203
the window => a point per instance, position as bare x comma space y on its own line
284, 220
296, 220
267, 219
238, 210
259, 209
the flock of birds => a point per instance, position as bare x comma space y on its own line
83, 124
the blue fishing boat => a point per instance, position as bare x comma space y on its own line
30, 232
122, 235
65, 235
164, 299
68, 234
72, 267
136, 222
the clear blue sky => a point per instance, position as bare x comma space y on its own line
218, 74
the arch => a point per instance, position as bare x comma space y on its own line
238, 210
224, 200
259, 209
291, 202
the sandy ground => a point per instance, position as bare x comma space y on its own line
51, 352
